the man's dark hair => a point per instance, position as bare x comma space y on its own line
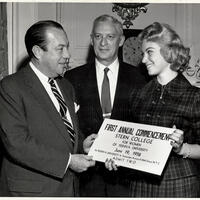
36, 35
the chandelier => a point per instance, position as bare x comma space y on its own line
129, 11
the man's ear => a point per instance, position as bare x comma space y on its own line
37, 51
122, 39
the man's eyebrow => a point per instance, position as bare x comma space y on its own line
63, 45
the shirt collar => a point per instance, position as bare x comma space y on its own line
175, 87
113, 67
43, 78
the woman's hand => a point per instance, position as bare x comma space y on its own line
177, 139
110, 165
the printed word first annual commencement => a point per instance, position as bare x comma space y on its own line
137, 146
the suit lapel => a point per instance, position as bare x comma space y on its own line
121, 87
39, 94
71, 108
93, 90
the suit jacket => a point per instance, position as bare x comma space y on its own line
84, 80
35, 138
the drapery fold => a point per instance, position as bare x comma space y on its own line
3, 41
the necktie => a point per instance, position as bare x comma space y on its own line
63, 109
105, 95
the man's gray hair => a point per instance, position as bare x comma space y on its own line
108, 18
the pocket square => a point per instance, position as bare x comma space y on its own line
77, 107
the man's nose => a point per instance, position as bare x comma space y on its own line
104, 41
66, 53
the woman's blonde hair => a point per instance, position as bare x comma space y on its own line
172, 48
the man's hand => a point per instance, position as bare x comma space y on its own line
80, 162
87, 143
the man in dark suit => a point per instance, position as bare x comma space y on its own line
39, 128
89, 81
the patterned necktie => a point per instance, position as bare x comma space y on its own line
105, 95
63, 109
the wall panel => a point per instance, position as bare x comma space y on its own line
77, 20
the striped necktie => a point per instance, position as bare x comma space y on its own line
63, 109
105, 95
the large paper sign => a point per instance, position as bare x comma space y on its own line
137, 146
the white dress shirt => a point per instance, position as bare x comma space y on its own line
112, 76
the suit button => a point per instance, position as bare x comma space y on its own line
148, 115
70, 174
153, 102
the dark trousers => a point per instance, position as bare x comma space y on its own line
99, 182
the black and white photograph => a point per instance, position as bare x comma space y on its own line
99, 99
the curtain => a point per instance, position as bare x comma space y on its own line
3, 54
3, 41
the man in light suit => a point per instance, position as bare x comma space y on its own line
41, 147
106, 38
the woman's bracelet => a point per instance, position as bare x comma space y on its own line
185, 150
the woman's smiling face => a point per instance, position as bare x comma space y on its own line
153, 59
